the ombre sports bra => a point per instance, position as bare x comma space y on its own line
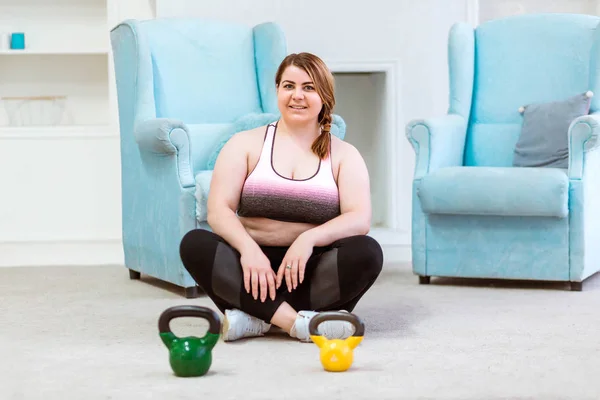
267, 194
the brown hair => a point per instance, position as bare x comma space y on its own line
324, 85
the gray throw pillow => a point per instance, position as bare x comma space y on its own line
543, 141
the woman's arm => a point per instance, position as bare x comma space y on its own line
270, 232
355, 202
226, 185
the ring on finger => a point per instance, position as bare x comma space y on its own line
288, 266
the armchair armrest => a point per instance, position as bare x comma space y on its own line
154, 135
167, 137
437, 142
583, 136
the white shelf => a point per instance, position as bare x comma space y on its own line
83, 79
59, 132
67, 54
57, 24
50, 51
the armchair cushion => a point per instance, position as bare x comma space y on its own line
248, 121
202, 138
501, 191
203, 179
543, 141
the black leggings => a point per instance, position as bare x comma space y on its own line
335, 278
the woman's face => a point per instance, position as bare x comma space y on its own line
297, 97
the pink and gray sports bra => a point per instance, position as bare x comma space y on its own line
267, 194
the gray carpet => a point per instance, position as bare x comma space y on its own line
91, 333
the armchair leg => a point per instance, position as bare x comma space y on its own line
576, 286
134, 274
191, 292
424, 280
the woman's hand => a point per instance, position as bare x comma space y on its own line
258, 274
294, 263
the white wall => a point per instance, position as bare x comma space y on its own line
412, 35
489, 9
60, 198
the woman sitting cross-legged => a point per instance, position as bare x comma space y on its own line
289, 208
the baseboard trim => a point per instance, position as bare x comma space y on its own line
401, 254
107, 252
61, 252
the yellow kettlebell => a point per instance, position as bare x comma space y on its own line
336, 354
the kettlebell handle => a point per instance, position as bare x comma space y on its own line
214, 322
359, 326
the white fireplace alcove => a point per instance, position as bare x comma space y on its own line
367, 99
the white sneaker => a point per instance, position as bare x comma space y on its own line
237, 325
332, 329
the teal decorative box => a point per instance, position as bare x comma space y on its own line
17, 41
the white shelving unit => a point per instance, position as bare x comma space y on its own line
61, 189
58, 132
67, 55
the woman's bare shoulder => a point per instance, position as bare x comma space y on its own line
341, 149
250, 137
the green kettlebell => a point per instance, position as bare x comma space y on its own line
189, 356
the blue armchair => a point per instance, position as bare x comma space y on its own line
184, 87
474, 215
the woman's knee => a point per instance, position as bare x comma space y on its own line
364, 252
196, 242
